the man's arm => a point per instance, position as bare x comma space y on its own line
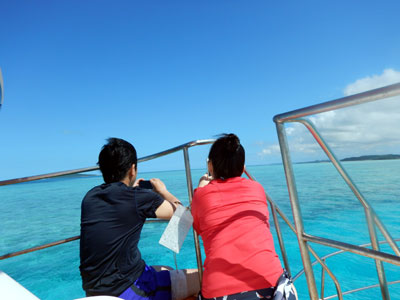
167, 208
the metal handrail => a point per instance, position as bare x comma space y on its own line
350, 183
275, 209
362, 289
183, 147
95, 168
56, 243
337, 253
356, 99
372, 219
324, 258
33, 249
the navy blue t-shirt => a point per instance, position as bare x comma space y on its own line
112, 218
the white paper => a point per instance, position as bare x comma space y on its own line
177, 229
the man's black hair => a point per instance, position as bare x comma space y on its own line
115, 159
227, 156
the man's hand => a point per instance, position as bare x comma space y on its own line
137, 182
158, 186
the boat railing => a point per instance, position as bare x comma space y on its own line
324, 258
183, 147
372, 218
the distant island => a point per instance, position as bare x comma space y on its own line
372, 157
359, 158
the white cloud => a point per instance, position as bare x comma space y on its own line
364, 129
272, 149
389, 76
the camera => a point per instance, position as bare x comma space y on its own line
146, 184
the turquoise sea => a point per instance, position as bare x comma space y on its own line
44, 211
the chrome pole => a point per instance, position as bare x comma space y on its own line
324, 258
190, 194
392, 259
325, 268
297, 216
370, 214
379, 265
280, 239
94, 168
319, 260
362, 289
48, 175
322, 282
368, 96
325, 147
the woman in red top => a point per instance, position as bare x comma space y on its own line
231, 215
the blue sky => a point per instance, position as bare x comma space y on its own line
163, 73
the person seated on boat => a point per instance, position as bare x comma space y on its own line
112, 217
230, 213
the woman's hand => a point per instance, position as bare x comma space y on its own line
204, 180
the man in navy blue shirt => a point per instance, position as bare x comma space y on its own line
112, 218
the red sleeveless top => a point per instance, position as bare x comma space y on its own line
231, 216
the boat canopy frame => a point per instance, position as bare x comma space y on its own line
372, 218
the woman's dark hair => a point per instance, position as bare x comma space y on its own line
227, 156
115, 159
